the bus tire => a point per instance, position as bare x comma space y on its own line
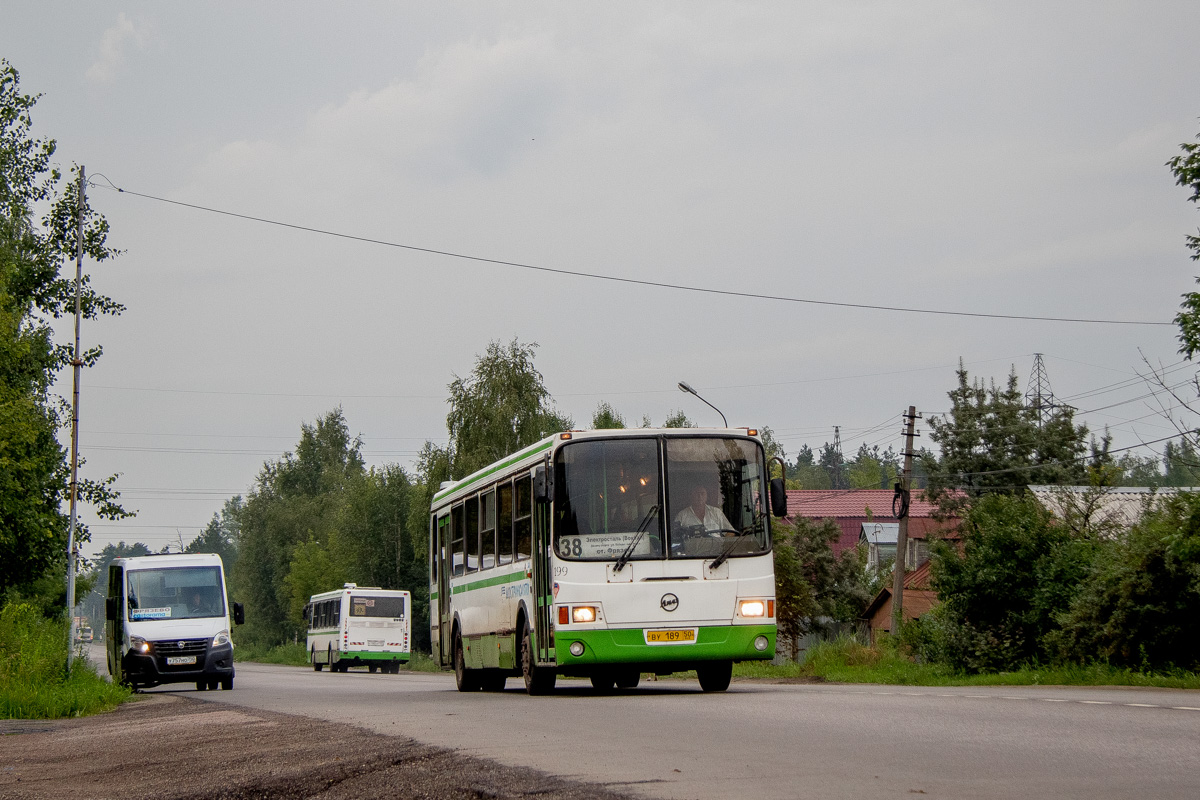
312, 656
715, 676
467, 680
372, 668
627, 679
226, 684
603, 682
212, 685
201, 686
538, 680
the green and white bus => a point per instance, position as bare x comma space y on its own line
359, 626
607, 554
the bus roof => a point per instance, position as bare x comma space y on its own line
362, 591
536, 449
170, 560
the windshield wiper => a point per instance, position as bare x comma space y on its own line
729, 548
641, 530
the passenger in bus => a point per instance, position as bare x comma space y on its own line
702, 517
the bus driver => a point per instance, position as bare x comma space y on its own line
703, 517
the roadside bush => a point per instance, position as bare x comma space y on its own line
1140, 606
34, 683
1001, 597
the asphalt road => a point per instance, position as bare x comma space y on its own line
667, 739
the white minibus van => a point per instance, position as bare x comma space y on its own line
167, 621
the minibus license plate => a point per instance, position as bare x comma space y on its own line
671, 637
175, 661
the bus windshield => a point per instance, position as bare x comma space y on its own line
609, 498
175, 593
367, 606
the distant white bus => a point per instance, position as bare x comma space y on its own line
607, 554
359, 626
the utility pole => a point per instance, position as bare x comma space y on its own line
900, 511
76, 363
837, 459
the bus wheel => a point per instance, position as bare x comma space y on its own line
538, 680
603, 682
628, 679
201, 686
226, 684
312, 656
715, 677
467, 680
212, 685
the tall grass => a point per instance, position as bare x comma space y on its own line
34, 683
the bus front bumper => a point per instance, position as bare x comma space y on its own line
630, 646
152, 669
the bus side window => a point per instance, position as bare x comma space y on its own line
523, 516
456, 546
504, 526
472, 533
487, 533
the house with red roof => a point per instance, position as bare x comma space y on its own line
866, 515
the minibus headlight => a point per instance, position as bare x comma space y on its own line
752, 608
220, 639
139, 645
583, 614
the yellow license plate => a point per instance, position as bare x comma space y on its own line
671, 637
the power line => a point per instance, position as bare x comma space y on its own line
616, 279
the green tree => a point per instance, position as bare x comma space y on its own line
1001, 595
1140, 605
814, 590
872, 469
678, 419
991, 442
93, 602
35, 479
221, 534
1186, 169
606, 417
806, 474
502, 406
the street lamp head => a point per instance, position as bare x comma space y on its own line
684, 387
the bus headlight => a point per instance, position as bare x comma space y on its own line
138, 645
583, 614
752, 608
220, 639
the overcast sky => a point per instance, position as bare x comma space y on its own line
999, 158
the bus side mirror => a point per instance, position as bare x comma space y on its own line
778, 498
543, 484
112, 608
239, 614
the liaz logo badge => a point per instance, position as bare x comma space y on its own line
669, 602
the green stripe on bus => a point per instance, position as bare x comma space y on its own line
486, 582
535, 449
628, 645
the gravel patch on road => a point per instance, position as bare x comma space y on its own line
168, 746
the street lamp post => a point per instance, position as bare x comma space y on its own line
685, 387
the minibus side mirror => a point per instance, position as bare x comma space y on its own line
778, 497
112, 608
543, 484
239, 614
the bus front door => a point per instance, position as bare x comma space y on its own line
543, 590
445, 613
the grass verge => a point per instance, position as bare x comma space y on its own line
34, 682
850, 661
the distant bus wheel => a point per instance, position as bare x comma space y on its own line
201, 686
212, 685
226, 684
603, 682
715, 677
312, 656
372, 668
628, 679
